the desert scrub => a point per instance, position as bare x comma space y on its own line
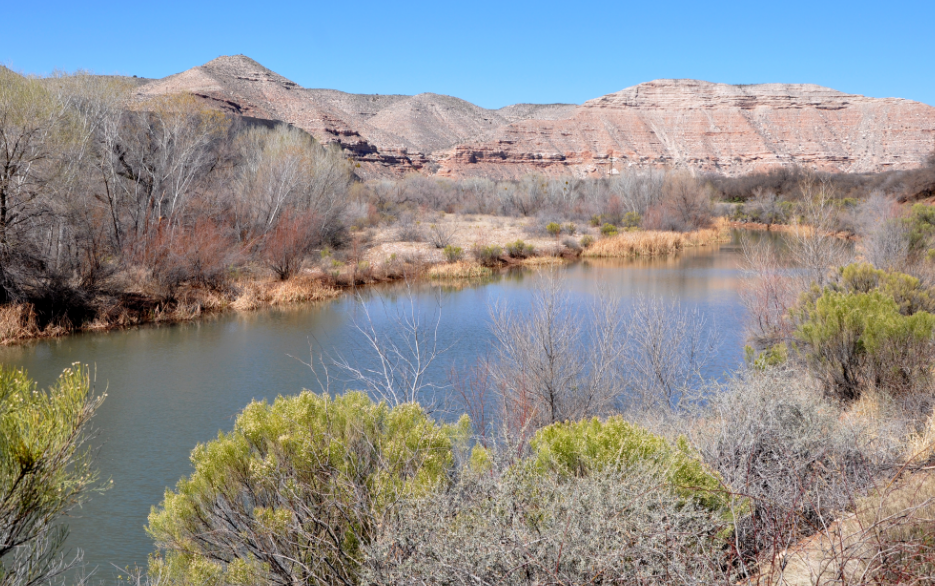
553, 228
618, 525
570, 228
632, 220
488, 256
45, 471
587, 240
520, 249
293, 492
799, 457
453, 253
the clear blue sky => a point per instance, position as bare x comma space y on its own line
492, 53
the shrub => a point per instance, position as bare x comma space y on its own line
520, 249
571, 244
859, 340
523, 527
595, 221
588, 446
554, 228
453, 253
292, 493
570, 228
488, 256
284, 247
441, 235
772, 436
595, 502
44, 471
587, 240
608, 230
632, 220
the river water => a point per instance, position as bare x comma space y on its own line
171, 387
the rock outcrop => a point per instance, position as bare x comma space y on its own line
709, 126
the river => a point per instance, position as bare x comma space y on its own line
171, 387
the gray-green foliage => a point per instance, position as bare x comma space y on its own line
45, 471
618, 525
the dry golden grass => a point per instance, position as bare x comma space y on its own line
648, 243
17, 322
463, 269
299, 289
543, 261
921, 446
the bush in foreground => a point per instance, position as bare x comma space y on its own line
44, 471
595, 502
293, 493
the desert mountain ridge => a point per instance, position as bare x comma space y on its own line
732, 129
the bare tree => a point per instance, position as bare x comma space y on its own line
395, 364
884, 239
667, 352
539, 356
814, 247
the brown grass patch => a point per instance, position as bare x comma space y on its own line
299, 289
648, 243
463, 269
543, 261
17, 322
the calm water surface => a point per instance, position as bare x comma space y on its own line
169, 388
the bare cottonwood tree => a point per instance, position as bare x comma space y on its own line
394, 363
814, 247
884, 239
668, 349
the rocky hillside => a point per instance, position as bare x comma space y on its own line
710, 126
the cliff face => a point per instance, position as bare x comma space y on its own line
708, 126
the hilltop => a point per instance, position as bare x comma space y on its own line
732, 129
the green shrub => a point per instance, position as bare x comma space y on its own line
595, 221
520, 249
453, 253
632, 220
921, 224
859, 340
488, 256
44, 470
907, 291
608, 230
584, 447
554, 228
587, 240
570, 228
292, 493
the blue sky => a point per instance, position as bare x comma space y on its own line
492, 53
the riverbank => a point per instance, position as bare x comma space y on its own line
477, 247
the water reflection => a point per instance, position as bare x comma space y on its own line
172, 387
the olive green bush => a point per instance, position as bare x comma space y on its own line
45, 471
593, 446
869, 329
520, 249
294, 492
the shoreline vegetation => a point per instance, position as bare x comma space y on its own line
18, 322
